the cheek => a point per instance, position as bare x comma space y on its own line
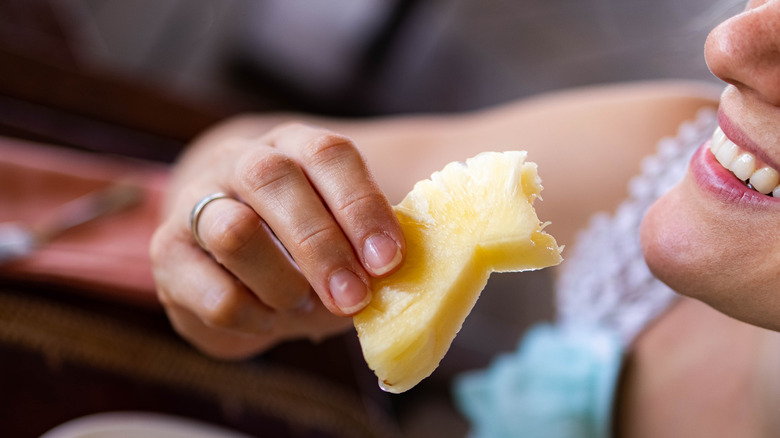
709, 252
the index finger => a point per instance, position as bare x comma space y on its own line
339, 173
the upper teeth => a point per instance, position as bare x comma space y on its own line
744, 165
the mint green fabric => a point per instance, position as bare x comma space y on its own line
559, 383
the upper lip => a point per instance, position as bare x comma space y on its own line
736, 135
740, 138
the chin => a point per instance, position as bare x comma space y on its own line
686, 248
669, 247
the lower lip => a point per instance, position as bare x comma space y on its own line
715, 180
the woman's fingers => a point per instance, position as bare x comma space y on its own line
314, 191
223, 344
187, 277
239, 240
315, 325
214, 310
305, 187
338, 171
276, 188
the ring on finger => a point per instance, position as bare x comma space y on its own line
197, 210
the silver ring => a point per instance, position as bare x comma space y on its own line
197, 210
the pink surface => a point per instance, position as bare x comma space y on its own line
107, 256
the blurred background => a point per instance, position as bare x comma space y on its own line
140, 78
176, 65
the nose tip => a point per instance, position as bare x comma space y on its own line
723, 56
745, 51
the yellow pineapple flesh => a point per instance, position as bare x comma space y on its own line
463, 223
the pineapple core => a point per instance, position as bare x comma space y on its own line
463, 223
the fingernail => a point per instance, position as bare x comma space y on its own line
349, 292
381, 253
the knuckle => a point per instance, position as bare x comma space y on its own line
157, 248
160, 245
290, 125
222, 312
328, 148
232, 231
365, 212
367, 201
316, 238
260, 171
165, 298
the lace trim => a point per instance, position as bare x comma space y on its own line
604, 281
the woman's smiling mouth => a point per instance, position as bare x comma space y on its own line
744, 165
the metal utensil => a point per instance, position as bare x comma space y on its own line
18, 240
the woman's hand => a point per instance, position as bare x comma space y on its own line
287, 254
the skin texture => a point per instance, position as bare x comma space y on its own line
706, 368
717, 242
710, 369
325, 186
700, 373
304, 187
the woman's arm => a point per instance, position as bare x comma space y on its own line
323, 192
588, 142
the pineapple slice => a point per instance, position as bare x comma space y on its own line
462, 224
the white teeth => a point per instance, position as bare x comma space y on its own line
718, 138
743, 165
765, 180
727, 152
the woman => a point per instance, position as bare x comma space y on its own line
710, 238
233, 290
275, 299
741, 52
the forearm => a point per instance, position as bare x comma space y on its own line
588, 142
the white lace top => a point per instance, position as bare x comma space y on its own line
605, 280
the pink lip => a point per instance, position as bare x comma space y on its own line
722, 184
743, 141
